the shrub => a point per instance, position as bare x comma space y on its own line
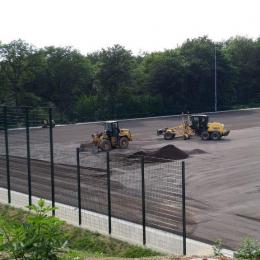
217, 247
39, 237
250, 249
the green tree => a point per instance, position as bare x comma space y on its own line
243, 55
18, 69
114, 79
67, 76
165, 74
86, 108
199, 80
114, 83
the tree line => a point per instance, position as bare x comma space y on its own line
114, 83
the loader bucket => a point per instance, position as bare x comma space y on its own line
84, 147
226, 133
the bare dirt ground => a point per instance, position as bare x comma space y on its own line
223, 184
163, 208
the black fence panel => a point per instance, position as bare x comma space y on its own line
41, 159
126, 188
163, 194
3, 166
40, 153
94, 182
17, 148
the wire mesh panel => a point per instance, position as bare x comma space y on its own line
163, 194
39, 134
94, 182
40, 153
65, 184
158, 204
64, 144
2, 150
16, 123
126, 196
126, 187
164, 200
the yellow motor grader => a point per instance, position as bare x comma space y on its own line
111, 137
183, 130
195, 125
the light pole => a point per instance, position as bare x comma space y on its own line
216, 97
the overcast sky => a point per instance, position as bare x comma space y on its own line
139, 25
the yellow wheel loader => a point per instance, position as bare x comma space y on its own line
111, 137
195, 125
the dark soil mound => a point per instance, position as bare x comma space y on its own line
170, 152
137, 154
196, 151
167, 152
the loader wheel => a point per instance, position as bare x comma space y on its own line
105, 145
215, 136
94, 149
168, 136
205, 136
123, 143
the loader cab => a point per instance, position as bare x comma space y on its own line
112, 128
199, 123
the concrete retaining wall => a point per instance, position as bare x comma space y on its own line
124, 230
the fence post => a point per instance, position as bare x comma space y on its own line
28, 154
183, 208
143, 201
79, 186
108, 194
7, 154
52, 162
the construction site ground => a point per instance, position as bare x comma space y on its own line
223, 177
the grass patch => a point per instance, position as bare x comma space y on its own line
81, 242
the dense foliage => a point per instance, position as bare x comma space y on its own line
39, 237
250, 249
114, 83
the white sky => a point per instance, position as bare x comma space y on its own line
139, 25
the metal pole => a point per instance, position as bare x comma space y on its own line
108, 194
184, 235
7, 155
216, 98
28, 155
143, 201
52, 162
79, 186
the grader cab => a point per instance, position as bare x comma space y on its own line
207, 131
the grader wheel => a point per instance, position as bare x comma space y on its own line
205, 135
215, 136
168, 136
